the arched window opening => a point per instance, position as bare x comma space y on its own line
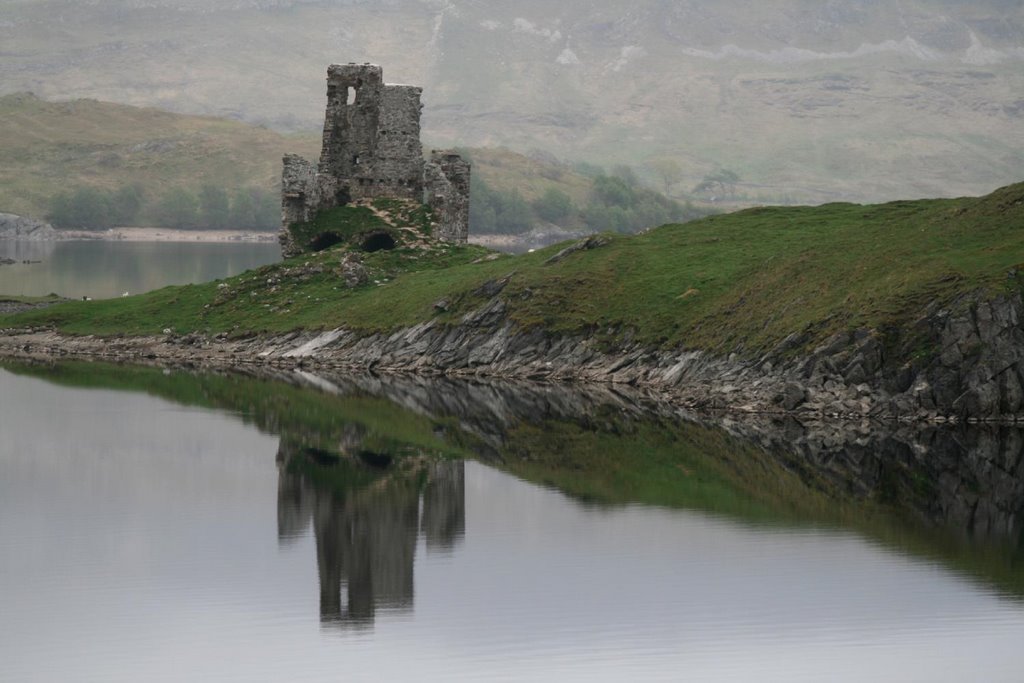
325, 240
378, 241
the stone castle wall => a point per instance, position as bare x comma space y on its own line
447, 188
371, 148
398, 166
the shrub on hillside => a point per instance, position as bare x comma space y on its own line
84, 209
554, 206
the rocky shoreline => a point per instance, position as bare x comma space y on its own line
961, 363
17, 227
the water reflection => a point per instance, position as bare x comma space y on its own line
370, 464
968, 479
365, 510
104, 269
24, 250
161, 534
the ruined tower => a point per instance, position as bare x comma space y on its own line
446, 178
371, 149
371, 135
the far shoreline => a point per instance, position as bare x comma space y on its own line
142, 234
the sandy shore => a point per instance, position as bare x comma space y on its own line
168, 235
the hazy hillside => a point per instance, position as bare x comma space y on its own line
805, 101
48, 148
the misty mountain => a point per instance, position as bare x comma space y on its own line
803, 100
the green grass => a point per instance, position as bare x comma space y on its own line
740, 281
344, 222
420, 217
406, 223
301, 293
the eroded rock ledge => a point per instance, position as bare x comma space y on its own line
965, 362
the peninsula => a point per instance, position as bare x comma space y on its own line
909, 310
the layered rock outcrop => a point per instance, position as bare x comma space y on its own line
963, 363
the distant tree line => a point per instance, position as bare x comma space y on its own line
617, 202
210, 207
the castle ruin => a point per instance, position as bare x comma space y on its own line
371, 149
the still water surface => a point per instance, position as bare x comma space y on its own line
160, 525
101, 269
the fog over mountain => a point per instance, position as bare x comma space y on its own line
804, 100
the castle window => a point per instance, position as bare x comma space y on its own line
350, 95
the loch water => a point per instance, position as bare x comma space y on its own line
102, 269
161, 524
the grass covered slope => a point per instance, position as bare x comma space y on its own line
740, 281
47, 148
51, 147
805, 100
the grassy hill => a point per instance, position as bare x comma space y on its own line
50, 147
530, 174
47, 148
860, 100
742, 281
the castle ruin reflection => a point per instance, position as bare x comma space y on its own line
354, 468
367, 511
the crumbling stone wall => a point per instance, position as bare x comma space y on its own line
300, 198
447, 187
350, 126
371, 148
398, 165
371, 144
